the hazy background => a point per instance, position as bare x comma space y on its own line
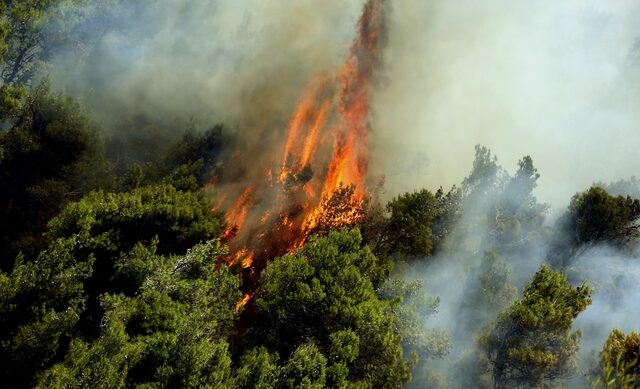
557, 80
553, 79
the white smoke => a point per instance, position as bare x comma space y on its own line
557, 80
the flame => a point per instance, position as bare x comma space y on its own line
320, 181
238, 212
304, 129
241, 303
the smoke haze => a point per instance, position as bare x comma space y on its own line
554, 80
177, 63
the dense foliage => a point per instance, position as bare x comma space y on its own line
532, 342
324, 295
619, 361
112, 267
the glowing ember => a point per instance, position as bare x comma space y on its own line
241, 303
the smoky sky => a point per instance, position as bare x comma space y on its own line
556, 80
177, 63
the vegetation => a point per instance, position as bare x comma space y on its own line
595, 215
113, 271
531, 343
323, 295
619, 361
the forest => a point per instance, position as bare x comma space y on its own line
143, 245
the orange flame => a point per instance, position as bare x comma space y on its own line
238, 212
241, 303
324, 153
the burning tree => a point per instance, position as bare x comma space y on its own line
320, 181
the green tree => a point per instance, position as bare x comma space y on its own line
619, 360
488, 292
412, 308
33, 31
115, 222
531, 343
408, 230
306, 368
188, 163
323, 295
258, 369
493, 283
45, 301
595, 215
105, 225
40, 305
499, 212
485, 174
51, 155
629, 187
518, 215
172, 333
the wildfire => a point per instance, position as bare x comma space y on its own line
241, 303
320, 181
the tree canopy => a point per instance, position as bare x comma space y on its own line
532, 342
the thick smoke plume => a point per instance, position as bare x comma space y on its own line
166, 66
556, 80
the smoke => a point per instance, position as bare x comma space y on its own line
616, 302
474, 252
154, 69
557, 80
478, 247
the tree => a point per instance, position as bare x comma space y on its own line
531, 343
258, 369
189, 163
488, 292
341, 209
33, 31
485, 174
207, 148
306, 368
619, 360
105, 225
45, 302
323, 295
172, 333
51, 155
518, 215
629, 187
595, 215
115, 222
414, 224
412, 308
408, 230
448, 213
499, 212
40, 305
495, 289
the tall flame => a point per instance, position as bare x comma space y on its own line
320, 181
